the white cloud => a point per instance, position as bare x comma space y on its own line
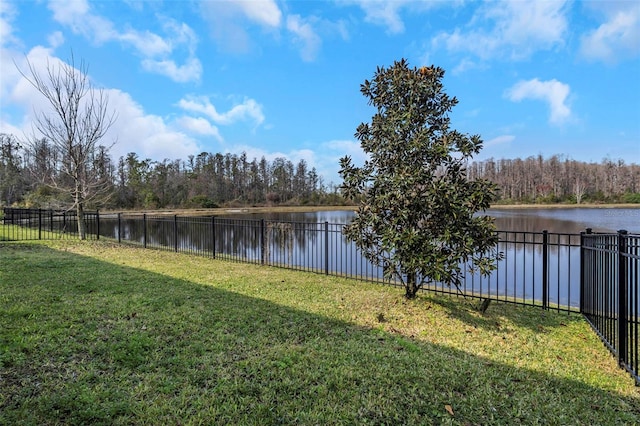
618, 37
514, 29
181, 74
147, 135
264, 12
7, 15
351, 148
467, 65
228, 21
10, 129
146, 43
553, 92
199, 126
499, 140
55, 39
248, 110
232, 22
305, 36
385, 13
18, 88
330, 153
154, 49
388, 14
76, 15
8, 73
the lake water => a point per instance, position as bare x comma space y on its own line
562, 220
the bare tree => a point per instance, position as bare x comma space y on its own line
12, 184
78, 121
579, 189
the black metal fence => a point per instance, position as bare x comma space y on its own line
594, 274
610, 299
39, 224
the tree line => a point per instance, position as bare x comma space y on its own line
558, 179
30, 176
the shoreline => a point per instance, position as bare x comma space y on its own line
307, 209
234, 210
564, 206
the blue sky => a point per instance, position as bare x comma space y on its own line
282, 78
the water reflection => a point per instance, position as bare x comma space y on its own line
563, 220
569, 220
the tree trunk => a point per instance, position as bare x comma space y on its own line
411, 286
82, 230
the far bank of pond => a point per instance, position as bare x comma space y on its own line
561, 220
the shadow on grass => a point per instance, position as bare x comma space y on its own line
466, 310
84, 341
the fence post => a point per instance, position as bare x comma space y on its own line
623, 293
51, 220
175, 232
582, 275
545, 269
97, 224
262, 241
119, 228
39, 224
326, 248
144, 230
213, 235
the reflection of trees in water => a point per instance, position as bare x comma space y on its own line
279, 235
295, 244
529, 223
238, 238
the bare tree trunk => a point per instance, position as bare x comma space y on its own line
82, 228
579, 190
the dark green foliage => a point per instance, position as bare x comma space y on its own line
204, 202
631, 198
417, 215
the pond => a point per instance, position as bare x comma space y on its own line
562, 220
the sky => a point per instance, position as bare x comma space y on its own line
279, 78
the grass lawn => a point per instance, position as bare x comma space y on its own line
96, 333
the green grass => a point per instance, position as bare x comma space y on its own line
96, 333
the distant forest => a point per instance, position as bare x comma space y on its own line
233, 180
560, 180
204, 181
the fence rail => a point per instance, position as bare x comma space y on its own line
594, 274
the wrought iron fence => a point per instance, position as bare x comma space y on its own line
39, 224
610, 300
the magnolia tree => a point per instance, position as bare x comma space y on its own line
417, 208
